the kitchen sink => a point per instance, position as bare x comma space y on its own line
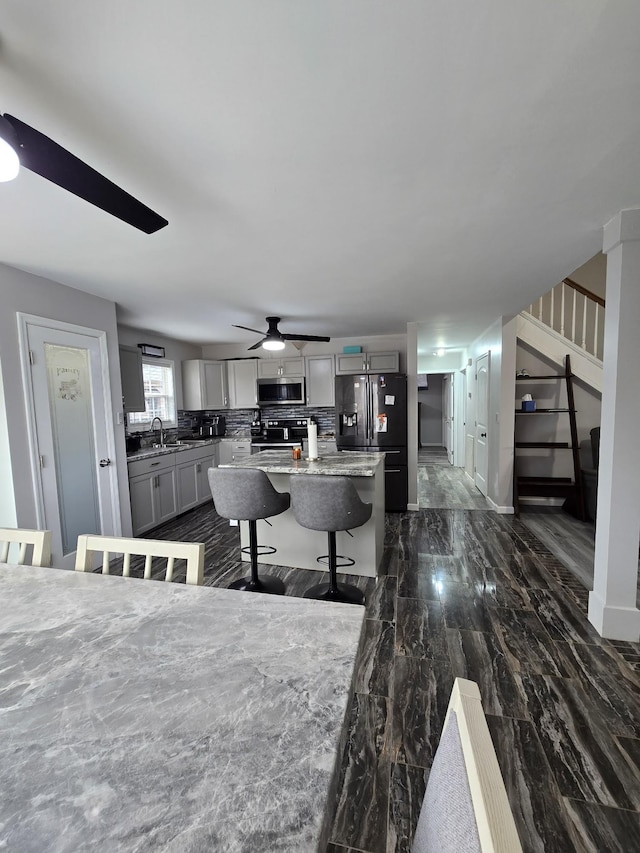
171, 445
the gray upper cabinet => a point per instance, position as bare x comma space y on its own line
270, 368
368, 362
204, 385
242, 376
131, 377
320, 371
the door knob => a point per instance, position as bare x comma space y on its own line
104, 463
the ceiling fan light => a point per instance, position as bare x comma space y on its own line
9, 160
272, 344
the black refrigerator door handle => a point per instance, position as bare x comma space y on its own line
371, 428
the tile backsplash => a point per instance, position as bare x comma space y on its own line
241, 418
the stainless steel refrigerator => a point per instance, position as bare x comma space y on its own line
371, 416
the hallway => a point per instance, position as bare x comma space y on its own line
471, 593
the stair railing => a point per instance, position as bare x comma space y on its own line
575, 313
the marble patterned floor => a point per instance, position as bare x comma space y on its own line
468, 592
570, 540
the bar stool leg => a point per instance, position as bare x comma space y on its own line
332, 591
266, 583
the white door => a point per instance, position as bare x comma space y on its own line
448, 404
469, 428
482, 422
71, 432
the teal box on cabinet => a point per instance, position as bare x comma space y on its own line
351, 349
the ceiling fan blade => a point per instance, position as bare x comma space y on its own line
306, 338
259, 344
42, 155
257, 331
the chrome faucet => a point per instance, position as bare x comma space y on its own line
161, 428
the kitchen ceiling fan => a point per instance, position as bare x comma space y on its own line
274, 339
23, 145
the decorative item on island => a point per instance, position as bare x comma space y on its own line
312, 433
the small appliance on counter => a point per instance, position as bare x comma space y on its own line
133, 443
256, 423
212, 426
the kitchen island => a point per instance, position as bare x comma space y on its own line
299, 547
139, 715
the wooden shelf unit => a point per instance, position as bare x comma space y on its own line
554, 487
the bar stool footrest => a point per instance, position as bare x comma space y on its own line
346, 561
261, 550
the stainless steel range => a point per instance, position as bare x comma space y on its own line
281, 433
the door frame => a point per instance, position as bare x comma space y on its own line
486, 355
110, 512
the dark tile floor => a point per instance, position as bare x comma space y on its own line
475, 594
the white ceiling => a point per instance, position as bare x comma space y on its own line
349, 165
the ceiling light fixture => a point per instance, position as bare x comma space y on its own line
439, 353
9, 160
273, 344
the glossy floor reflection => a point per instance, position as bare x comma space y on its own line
475, 594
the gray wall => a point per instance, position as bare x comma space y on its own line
31, 294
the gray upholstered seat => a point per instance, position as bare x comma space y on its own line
246, 494
328, 503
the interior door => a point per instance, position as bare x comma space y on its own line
469, 428
448, 404
482, 423
71, 433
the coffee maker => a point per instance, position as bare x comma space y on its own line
211, 426
256, 423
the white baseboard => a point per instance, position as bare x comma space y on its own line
501, 510
413, 507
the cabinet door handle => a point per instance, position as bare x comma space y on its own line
483, 435
198, 467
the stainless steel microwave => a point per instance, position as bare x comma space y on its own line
282, 391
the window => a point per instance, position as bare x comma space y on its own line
159, 395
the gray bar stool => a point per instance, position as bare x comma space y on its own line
329, 503
246, 494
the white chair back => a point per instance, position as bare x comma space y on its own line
40, 540
465, 807
192, 552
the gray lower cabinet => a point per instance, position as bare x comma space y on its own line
164, 486
232, 449
193, 480
153, 492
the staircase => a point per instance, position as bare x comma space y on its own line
567, 319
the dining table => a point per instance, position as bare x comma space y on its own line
144, 715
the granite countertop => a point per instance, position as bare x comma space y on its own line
142, 715
149, 452
349, 464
